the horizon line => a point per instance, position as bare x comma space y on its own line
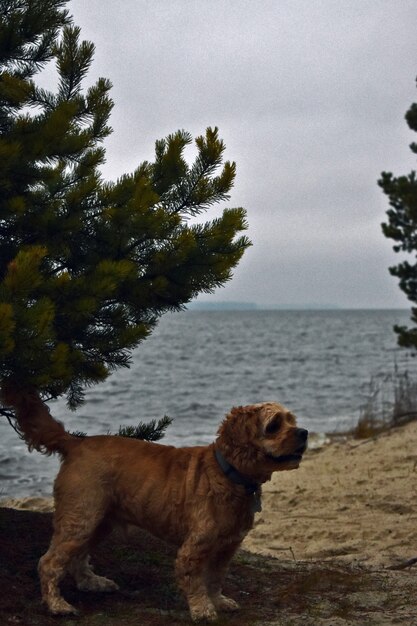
253, 306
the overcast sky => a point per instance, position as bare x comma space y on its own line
309, 96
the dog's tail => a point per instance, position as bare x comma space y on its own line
34, 422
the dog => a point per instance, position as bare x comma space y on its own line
202, 499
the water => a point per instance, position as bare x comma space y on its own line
197, 365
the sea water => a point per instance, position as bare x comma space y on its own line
196, 365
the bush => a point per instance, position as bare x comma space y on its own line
391, 402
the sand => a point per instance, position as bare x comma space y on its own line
351, 500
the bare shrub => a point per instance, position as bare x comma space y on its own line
391, 402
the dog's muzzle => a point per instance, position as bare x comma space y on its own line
302, 436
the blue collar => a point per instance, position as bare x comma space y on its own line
234, 475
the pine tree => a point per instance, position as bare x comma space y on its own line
87, 266
402, 228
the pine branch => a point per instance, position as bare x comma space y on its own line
88, 267
9, 415
150, 431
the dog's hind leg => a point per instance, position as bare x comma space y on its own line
85, 578
76, 520
53, 567
81, 570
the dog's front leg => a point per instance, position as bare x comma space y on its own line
191, 570
216, 573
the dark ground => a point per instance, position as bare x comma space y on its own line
270, 591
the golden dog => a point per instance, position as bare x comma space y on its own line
202, 498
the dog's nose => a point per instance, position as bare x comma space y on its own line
302, 434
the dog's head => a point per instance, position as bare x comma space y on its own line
262, 438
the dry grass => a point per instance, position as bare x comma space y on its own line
391, 402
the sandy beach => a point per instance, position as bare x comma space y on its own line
351, 500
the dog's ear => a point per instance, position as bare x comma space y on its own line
240, 427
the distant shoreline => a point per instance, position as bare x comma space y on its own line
252, 306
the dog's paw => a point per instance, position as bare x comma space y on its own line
98, 584
204, 613
59, 606
226, 604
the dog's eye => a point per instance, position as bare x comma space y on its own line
272, 427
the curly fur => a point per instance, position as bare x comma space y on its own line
178, 494
40, 430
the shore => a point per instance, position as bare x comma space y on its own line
352, 500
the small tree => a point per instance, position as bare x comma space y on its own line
402, 227
87, 267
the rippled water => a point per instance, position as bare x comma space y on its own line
197, 365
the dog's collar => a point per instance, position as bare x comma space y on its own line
234, 475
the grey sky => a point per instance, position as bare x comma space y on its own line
309, 96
